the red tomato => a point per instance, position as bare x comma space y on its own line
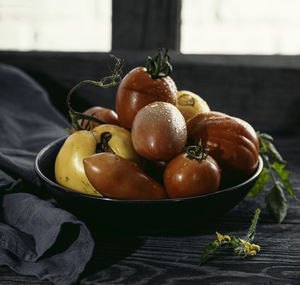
138, 89
106, 115
155, 169
188, 177
117, 177
142, 86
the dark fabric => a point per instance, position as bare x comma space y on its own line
36, 237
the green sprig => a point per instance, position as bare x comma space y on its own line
274, 169
240, 246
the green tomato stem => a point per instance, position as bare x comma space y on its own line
159, 66
105, 82
197, 152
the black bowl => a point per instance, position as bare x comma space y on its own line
136, 214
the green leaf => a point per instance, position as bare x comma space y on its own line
284, 176
260, 183
265, 158
274, 152
265, 136
210, 249
277, 203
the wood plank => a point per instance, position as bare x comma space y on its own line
163, 260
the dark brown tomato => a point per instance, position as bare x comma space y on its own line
189, 177
159, 131
232, 142
116, 177
106, 115
155, 169
138, 89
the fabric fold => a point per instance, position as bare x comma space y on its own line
31, 227
36, 237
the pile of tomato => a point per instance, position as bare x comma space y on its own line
159, 143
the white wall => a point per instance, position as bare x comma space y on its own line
66, 25
208, 26
241, 26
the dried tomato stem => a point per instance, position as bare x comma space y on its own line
103, 145
105, 82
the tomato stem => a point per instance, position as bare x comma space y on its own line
196, 151
159, 66
105, 82
103, 145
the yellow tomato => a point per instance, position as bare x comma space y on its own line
190, 104
118, 139
69, 169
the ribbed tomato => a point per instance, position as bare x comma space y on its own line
231, 141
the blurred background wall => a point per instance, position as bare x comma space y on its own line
64, 25
207, 26
240, 26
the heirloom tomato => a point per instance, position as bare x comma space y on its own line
116, 177
69, 169
159, 131
105, 115
232, 142
155, 169
190, 104
191, 174
115, 139
142, 86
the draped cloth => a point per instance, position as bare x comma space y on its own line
37, 238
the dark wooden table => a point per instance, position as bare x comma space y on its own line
173, 258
